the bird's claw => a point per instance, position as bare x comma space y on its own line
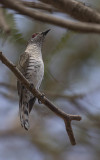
42, 96
31, 85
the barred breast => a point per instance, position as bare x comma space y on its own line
35, 71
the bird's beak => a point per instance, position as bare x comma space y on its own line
45, 32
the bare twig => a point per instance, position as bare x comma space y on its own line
76, 9
75, 26
66, 117
42, 6
3, 25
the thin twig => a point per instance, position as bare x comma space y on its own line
75, 26
66, 117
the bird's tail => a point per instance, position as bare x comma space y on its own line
24, 109
24, 115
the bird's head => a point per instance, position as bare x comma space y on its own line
39, 37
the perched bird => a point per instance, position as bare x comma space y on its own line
32, 67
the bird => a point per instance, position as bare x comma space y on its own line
31, 65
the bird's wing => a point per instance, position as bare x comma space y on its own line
23, 62
25, 103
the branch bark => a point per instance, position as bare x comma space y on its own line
76, 9
42, 6
66, 117
75, 26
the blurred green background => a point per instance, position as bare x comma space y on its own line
71, 81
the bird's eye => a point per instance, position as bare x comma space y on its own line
34, 35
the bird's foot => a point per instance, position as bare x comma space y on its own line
31, 85
42, 96
26, 125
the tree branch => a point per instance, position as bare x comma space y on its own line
66, 117
75, 26
42, 6
76, 9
